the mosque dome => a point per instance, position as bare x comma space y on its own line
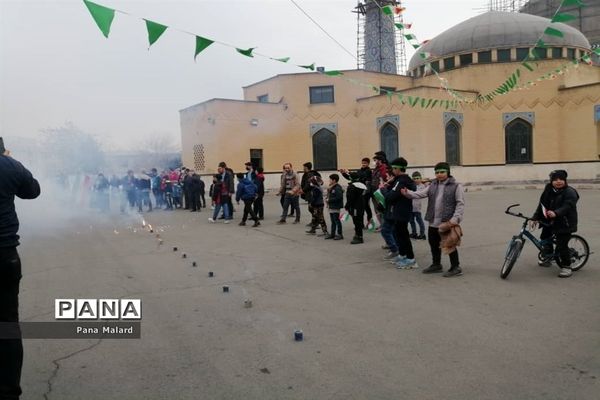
498, 29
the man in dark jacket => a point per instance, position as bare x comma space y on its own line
129, 183
228, 176
259, 208
364, 176
15, 180
306, 186
355, 205
187, 189
196, 188
246, 191
398, 210
558, 210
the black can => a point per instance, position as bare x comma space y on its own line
225, 289
211, 274
298, 335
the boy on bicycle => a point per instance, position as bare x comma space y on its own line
558, 209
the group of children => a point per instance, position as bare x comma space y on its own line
354, 207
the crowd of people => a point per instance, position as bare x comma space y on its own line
386, 195
168, 190
394, 195
383, 198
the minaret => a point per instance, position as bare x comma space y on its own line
380, 45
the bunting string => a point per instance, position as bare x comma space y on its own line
104, 17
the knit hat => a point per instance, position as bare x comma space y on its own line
442, 165
558, 174
416, 175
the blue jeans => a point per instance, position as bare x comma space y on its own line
292, 201
387, 231
416, 216
336, 224
225, 210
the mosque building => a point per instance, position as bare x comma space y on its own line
335, 121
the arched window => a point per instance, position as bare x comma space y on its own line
324, 150
453, 142
389, 141
518, 143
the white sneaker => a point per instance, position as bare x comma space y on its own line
397, 259
212, 221
407, 263
565, 273
226, 221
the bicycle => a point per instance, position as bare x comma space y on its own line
578, 247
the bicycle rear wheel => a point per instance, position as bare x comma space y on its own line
512, 253
579, 251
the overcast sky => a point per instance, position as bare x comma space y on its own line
56, 66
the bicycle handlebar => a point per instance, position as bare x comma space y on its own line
520, 215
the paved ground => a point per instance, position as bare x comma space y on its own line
371, 331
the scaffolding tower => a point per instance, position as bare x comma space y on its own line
505, 5
380, 46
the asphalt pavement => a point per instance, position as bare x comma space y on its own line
370, 331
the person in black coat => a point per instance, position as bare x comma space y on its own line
335, 202
259, 208
15, 180
557, 209
364, 176
196, 187
398, 210
355, 205
186, 186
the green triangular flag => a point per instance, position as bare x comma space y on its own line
526, 65
247, 52
283, 59
571, 3
553, 32
563, 18
102, 15
311, 66
201, 44
416, 46
389, 95
413, 100
540, 43
333, 73
387, 10
399, 26
154, 31
410, 36
401, 98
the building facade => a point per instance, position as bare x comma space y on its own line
336, 121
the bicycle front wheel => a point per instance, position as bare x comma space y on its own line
512, 253
579, 251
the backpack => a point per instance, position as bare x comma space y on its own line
249, 190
